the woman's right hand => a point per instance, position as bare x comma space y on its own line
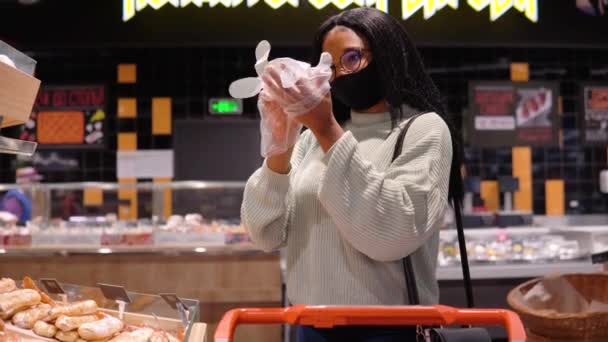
283, 131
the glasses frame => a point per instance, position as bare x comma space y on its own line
344, 70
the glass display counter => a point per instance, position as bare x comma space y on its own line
52, 316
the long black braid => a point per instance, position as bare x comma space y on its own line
402, 73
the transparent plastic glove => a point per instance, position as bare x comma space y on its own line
304, 86
278, 131
299, 87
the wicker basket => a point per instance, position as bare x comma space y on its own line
591, 326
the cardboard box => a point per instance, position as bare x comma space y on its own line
18, 88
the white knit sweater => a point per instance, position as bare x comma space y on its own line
347, 217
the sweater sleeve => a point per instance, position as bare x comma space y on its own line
265, 208
387, 215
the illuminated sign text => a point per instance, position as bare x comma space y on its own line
497, 8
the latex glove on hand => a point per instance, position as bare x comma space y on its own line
306, 100
292, 92
279, 132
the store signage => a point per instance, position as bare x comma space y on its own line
68, 116
408, 7
595, 114
509, 114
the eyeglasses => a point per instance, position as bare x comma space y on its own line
350, 62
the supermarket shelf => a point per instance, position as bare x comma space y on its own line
509, 271
240, 249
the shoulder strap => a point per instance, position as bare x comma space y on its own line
408, 268
401, 137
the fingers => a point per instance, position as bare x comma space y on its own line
273, 84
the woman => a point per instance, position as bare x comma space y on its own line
345, 213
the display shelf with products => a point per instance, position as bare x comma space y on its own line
79, 313
524, 252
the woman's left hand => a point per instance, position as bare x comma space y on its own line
320, 120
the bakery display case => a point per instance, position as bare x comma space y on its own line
177, 237
71, 313
89, 216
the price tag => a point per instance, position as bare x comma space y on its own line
116, 293
177, 304
172, 299
599, 258
52, 286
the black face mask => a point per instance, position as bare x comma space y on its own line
360, 90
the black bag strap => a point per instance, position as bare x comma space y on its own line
408, 269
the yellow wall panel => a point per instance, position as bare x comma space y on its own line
127, 73
490, 195
93, 197
522, 169
167, 197
127, 107
127, 141
161, 115
127, 211
555, 197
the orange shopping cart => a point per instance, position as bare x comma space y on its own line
331, 316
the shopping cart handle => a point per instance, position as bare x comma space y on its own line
330, 316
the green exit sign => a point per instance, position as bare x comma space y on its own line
225, 106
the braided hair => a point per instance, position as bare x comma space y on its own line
402, 75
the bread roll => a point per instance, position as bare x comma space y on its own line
26, 319
139, 335
7, 285
66, 323
44, 329
158, 337
87, 307
101, 329
16, 301
66, 336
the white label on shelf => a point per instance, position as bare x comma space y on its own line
83, 239
172, 238
494, 123
144, 164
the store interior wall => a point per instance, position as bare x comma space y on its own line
191, 76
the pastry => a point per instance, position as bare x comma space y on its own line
100, 329
26, 319
44, 329
67, 323
15, 301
